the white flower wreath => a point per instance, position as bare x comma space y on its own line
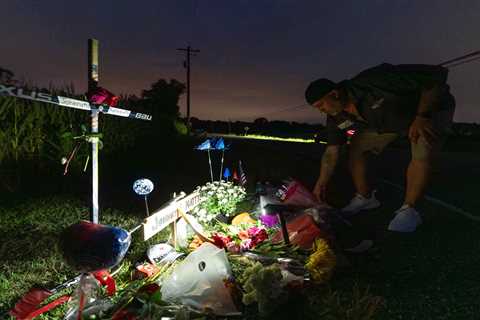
218, 197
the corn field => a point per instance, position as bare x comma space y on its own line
34, 134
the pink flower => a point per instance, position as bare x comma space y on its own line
257, 235
252, 231
233, 247
246, 245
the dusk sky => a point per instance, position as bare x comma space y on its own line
256, 56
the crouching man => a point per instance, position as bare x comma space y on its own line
381, 104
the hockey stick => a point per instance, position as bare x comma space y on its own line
23, 93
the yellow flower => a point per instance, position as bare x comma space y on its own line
321, 262
243, 218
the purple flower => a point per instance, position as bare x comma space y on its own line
269, 220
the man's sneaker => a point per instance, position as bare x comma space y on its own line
407, 219
359, 203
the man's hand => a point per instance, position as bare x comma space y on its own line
329, 161
422, 127
320, 190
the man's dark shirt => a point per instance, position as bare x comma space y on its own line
387, 97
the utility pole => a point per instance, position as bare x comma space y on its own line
188, 51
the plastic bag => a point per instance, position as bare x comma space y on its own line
302, 231
85, 297
200, 282
297, 194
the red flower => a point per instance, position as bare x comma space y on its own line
150, 288
221, 240
123, 314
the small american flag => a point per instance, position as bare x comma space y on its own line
243, 176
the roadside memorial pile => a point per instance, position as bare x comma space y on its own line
219, 260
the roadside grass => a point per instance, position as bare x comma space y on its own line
430, 274
31, 257
29, 237
31, 225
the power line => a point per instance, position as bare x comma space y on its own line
475, 55
465, 56
462, 62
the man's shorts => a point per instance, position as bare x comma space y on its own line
371, 141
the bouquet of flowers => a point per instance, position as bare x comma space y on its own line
219, 197
239, 238
321, 262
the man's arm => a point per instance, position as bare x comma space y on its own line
327, 167
329, 162
429, 101
422, 124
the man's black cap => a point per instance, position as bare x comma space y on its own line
317, 89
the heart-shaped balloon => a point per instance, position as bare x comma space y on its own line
90, 246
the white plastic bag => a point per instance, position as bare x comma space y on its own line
199, 282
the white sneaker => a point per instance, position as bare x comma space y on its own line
359, 203
407, 219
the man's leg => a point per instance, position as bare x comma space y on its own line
361, 144
423, 156
407, 218
418, 174
358, 167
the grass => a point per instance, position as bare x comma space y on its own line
426, 275
431, 274
31, 257
29, 235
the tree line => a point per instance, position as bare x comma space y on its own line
260, 126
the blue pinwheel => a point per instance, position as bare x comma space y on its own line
226, 174
220, 145
207, 145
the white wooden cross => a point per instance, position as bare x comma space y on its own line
168, 214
